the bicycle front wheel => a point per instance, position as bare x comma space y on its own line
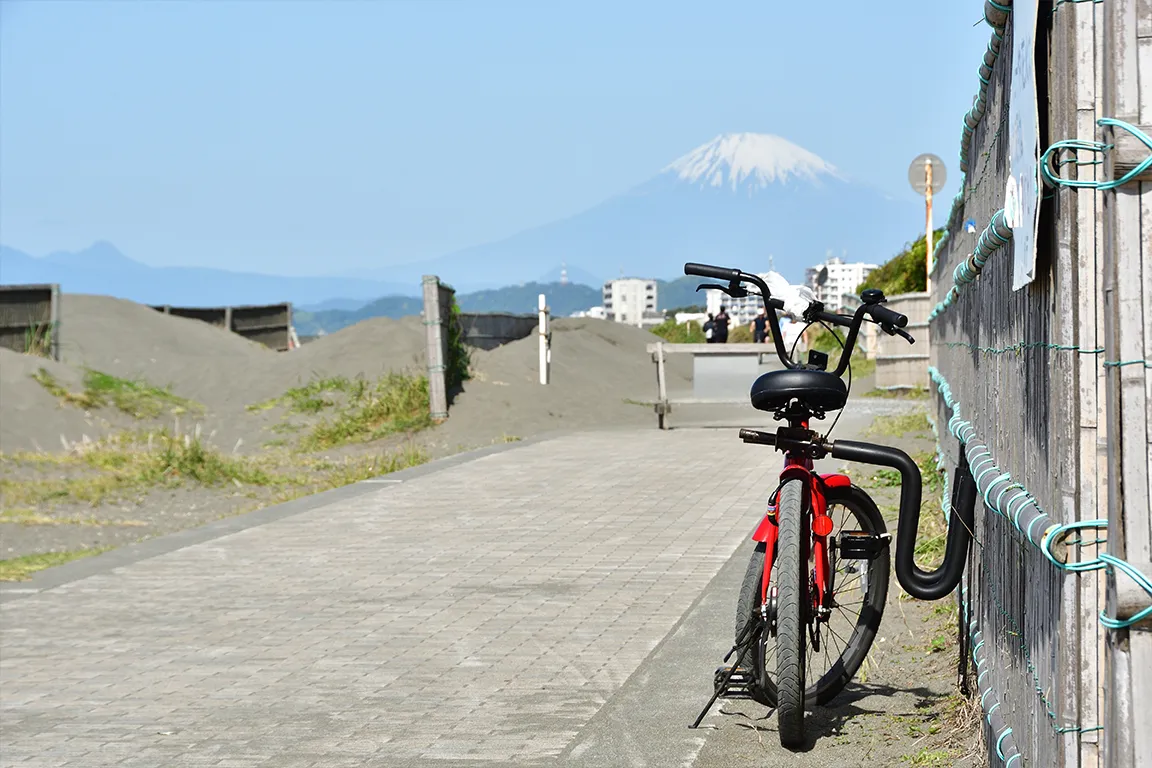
860, 590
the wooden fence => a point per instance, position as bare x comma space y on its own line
30, 319
1047, 384
267, 324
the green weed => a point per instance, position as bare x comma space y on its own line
900, 425
38, 339
929, 758
20, 568
914, 393
135, 397
395, 403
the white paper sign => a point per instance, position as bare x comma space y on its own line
1022, 192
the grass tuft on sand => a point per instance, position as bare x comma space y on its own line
20, 568
135, 397
901, 425
133, 463
362, 410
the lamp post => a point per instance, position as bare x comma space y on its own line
927, 175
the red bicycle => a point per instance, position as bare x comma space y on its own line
815, 588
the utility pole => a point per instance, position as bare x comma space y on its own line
926, 174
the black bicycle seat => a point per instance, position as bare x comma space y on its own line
816, 390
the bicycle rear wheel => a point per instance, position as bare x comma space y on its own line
860, 588
792, 603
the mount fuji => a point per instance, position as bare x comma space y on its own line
738, 200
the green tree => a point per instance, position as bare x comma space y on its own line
904, 272
688, 333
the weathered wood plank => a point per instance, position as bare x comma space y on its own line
1144, 62
1133, 412
1140, 644
1129, 151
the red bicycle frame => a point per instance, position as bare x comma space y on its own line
798, 466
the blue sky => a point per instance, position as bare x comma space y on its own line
319, 137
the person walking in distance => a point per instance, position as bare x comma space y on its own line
759, 327
709, 329
720, 326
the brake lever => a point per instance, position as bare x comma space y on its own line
735, 291
712, 285
901, 332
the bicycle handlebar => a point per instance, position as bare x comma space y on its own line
886, 316
889, 320
707, 270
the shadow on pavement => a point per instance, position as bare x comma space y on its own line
828, 721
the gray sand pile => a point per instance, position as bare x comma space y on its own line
369, 348
31, 418
197, 360
596, 367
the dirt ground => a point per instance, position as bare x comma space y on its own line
63, 490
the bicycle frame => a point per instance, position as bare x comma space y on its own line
799, 466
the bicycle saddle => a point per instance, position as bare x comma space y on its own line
817, 390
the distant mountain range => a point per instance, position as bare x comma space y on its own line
102, 269
739, 200
563, 300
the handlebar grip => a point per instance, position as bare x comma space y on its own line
844, 321
707, 270
887, 316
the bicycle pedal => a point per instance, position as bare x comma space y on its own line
861, 545
736, 686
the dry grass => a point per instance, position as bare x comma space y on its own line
134, 463
20, 568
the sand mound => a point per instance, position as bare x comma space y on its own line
31, 418
368, 348
598, 367
129, 340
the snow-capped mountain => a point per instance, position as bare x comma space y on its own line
737, 201
749, 161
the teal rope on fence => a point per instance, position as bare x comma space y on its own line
994, 236
1006, 748
1101, 561
1052, 177
1059, 3
996, 15
1024, 346
993, 483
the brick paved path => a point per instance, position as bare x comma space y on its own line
480, 613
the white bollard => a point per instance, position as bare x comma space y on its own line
545, 353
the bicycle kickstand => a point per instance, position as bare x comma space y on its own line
743, 643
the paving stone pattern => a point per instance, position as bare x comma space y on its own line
481, 613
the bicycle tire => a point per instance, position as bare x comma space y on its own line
791, 612
841, 672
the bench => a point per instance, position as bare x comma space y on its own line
727, 370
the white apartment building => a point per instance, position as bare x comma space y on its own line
595, 312
842, 279
632, 301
